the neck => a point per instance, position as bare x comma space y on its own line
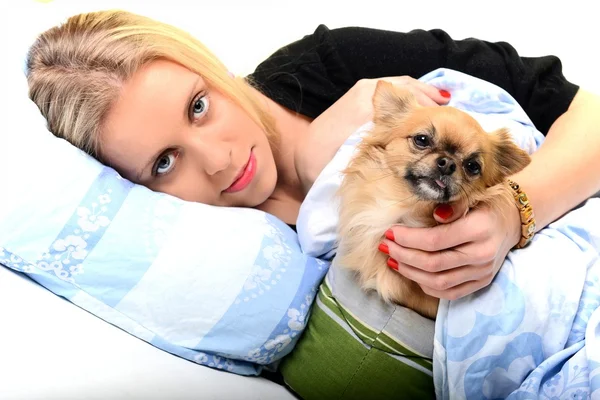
288, 194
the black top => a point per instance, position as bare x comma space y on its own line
310, 74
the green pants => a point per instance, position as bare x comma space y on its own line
357, 347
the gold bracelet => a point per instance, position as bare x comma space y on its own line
527, 216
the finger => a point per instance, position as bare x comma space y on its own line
423, 99
435, 284
459, 291
437, 238
450, 212
436, 261
441, 97
475, 226
434, 95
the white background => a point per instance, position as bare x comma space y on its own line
51, 349
243, 33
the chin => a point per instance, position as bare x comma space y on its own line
427, 189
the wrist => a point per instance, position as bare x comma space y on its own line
527, 226
540, 194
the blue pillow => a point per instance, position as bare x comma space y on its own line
224, 287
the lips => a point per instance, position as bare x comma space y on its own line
431, 189
244, 177
440, 183
434, 183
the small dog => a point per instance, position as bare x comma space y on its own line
413, 159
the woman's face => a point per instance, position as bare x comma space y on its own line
171, 132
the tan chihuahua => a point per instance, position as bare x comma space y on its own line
415, 158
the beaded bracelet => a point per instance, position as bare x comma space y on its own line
527, 216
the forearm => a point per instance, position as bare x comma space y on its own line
566, 169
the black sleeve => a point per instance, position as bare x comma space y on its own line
309, 75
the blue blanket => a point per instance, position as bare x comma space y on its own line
532, 332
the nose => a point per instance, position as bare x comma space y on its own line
212, 157
446, 165
217, 160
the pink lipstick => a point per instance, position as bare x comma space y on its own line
244, 177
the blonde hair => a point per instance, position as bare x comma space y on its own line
76, 70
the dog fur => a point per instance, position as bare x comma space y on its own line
415, 158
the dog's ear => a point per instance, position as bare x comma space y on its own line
508, 158
391, 102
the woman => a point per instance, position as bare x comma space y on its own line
152, 102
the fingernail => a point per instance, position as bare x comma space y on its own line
444, 211
231, 75
393, 264
445, 93
384, 248
389, 234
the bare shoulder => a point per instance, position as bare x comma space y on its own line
329, 131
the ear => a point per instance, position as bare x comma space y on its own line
507, 156
391, 102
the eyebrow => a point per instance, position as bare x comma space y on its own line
186, 114
431, 129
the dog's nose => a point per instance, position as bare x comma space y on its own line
446, 165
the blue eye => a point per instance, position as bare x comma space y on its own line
165, 163
199, 107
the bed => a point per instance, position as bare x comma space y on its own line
50, 348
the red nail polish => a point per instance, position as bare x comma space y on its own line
393, 264
445, 93
384, 248
389, 234
444, 211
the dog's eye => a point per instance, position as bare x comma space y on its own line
421, 141
473, 167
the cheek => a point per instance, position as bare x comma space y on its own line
422, 163
473, 185
187, 184
267, 169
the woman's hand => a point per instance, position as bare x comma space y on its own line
355, 108
426, 94
460, 256
457, 258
